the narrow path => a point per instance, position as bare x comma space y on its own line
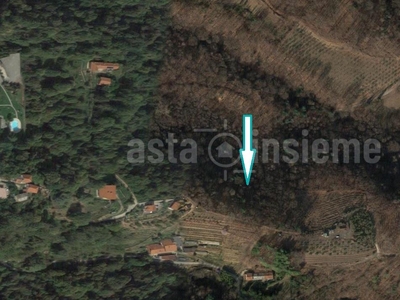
129, 189
378, 251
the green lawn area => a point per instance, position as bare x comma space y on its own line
98, 207
125, 195
8, 111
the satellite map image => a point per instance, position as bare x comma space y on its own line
200, 149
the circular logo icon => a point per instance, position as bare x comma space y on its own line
224, 150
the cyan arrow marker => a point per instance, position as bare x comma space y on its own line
247, 153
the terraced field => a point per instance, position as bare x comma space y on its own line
338, 259
336, 247
235, 238
339, 75
349, 75
329, 208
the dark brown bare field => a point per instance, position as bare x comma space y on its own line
221, 64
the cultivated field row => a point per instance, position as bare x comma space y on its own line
328, 209
338, 259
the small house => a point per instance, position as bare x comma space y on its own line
269, 275
102, 67
169, 246
149, 209
104, 81
24, 179
108, 192
155, 249
21, 197
4, 192
32, 189
175, 206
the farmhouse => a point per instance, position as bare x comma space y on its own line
155, 249
32, 189
169, 246
149, 209
165, 246
104, 81
100, 67
24, 179
21, 197
175, 206
259, 276
108, 192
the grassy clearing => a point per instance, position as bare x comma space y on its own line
125, 195
8, 111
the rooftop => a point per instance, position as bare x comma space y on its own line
269, 275
175, 206
24, 179
4, 193
150, 208
21, 197
102, 66
167, 242
32, 189
104, 81
108, 192
155, 249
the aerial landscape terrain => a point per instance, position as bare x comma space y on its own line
124, 128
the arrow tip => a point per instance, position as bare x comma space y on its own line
247, 157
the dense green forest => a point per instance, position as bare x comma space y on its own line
130, 277
77, 138
77, 134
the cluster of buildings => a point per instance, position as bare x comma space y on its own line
165, 250
109, 193
152, 207
102, 67
265, 276
26, 182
